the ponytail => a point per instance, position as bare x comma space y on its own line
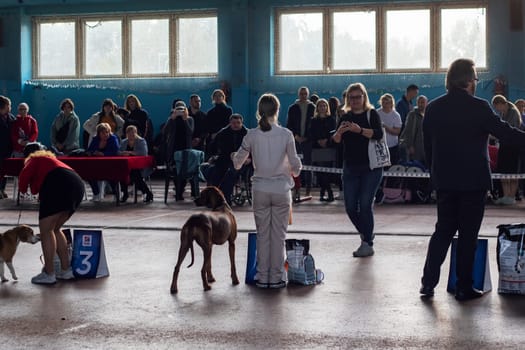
267, 108
264, 124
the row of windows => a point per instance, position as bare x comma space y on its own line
378, 39
126, 46
317, 40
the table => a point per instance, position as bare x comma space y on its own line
91, 168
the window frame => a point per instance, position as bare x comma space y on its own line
126, 19
381, 35
36, 45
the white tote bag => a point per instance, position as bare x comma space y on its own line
378, 153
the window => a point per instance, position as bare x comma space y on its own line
57, 49
463, 34
126, 46
406, 37
301, 44
150, 46
197, 45
103, 47
354, 40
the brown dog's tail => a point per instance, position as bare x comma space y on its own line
191, 250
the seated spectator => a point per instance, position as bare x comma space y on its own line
65, 129
228, 140
104, 144
134, 145
321, 128
23, 130
105, 115
177, 135
140, 118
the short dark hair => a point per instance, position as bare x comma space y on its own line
236, 116
460, 73
412, 87
67, 101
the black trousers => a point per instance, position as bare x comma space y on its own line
457, 211
136, 177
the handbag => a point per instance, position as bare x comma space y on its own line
378, 153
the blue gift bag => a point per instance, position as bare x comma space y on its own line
481, 271
89, 256
251, 260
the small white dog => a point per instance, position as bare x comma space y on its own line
8, 244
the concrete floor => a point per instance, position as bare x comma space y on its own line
370, 303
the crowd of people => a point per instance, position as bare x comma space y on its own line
448, 135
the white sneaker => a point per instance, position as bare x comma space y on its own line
96, 198
508, 201
44, 278
65, 274
364, 250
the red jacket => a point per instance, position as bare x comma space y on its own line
23, 128
35, 171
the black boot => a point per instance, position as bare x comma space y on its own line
125, 194
330, 195
149, 197
321, 196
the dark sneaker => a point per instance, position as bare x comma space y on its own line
262, 285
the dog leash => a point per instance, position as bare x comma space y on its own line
20, 212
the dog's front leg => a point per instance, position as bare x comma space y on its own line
206, 267
12, 270
231, 249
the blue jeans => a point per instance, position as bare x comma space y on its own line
360, 185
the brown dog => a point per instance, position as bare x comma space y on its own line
8, 244
211, 227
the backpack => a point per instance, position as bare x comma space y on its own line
300, 263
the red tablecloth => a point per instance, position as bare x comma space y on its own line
91, 168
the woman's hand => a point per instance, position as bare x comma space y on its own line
355, 128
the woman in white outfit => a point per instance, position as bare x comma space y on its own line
275, 160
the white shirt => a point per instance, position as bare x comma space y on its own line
392, 120
274, 159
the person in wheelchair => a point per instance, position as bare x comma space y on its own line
221, 172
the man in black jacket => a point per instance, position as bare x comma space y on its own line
299, 117
456, 128
228, 140
217, 118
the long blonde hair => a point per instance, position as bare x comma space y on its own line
316, 112
361, 88
267, 107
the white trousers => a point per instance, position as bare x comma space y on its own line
271, 212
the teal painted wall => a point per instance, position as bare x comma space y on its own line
245, 62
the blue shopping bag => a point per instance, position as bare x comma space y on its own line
251, 260
89, 256
481, 271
